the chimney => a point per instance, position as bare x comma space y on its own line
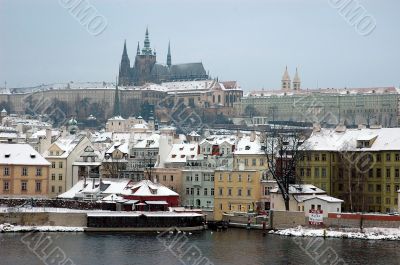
316, 127
252, 136
361, 126
340, 128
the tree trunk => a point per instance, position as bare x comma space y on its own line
287, 204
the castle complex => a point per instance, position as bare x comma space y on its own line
146, 69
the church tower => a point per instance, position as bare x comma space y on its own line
144, 63
169, 63
286, 81
124, 69
117, 103
296, 81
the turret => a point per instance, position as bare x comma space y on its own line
124, 68
296, 81
286, 80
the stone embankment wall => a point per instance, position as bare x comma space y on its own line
44, 218
57, 203
350, 220
283, 219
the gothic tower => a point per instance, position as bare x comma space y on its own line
296, 81
124, 69
117, 103
144, 62
286, 81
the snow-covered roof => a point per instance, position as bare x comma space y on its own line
108, 187
326, 198
148, 188
219, 139
123, 147
67, 144
330, 140
301, 189
153, 141
180, 153
248, 146
21, 154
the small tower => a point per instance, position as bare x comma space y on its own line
138, 49
3, 114
169, 55
296, 81
286, 80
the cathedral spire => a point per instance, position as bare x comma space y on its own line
138, 49
169, 55
286, 80
146, 48
296, 81
117, 107
125, 53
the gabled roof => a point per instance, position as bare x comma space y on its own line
148, 188
301, 189
21, 154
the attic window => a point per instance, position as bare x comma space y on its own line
7, 155
192, 149
181, 148
182, 156
192, 156
33, 156
173, 156
247, 147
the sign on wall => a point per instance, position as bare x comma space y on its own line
316, 217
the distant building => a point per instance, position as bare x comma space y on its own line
23, 171
146, 69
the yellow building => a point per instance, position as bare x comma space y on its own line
23, 171
236, 191
359, 166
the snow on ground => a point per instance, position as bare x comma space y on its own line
375, 233
4, 228
45, 210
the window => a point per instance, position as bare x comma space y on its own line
212, 192
59, 176
340, 187
229, 178
198, 191
171, 178
316, 157
187, 191
378, 158
6, 171
323, 157
312, 207
248, 178
38, 171
370, 187
240, 178
191, 191
205, 192
378, 172
396, 173
53, 189
248, 192
378, 187
370, 173
308, 172
220, 191
23, 186
387, 200
164, 178
53, 164
53, 176
378, 199
246, 162
24, 171
229, 192
6, 186
323, 172
397, 157
319, 207
387, 157
59, 189
388, 173
388, 188
38, 186
196, 178
239, 193
261, 162
220, 177
60, 164
316, 172
302, 172
254, 162
266, 190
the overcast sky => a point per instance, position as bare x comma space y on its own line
250, 41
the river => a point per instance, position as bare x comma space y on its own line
235, 246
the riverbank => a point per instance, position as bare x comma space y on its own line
375, 233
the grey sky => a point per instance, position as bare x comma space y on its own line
246, 40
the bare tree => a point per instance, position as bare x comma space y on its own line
283, 151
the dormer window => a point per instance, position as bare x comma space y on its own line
173, 156
33, 156
247, 147
182, 156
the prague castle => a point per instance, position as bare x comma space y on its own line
146, 69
